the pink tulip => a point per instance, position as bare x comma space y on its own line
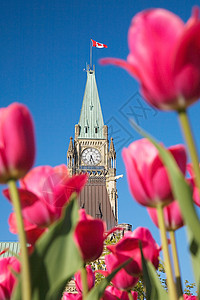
44, 191
17, 142
8, 265
191, 180
90, 279
163, 58
108, 295
147, 176
70, 296
190, 297
89, 236
122, 280
172, 216
129, 248
122, 295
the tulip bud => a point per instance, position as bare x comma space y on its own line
172, 216
90, 279
17, 142
147, 176
163, 58
89, 236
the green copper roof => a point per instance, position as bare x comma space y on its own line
91, 118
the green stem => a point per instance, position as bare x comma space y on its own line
130, 296
24, 259
184, 121
84, 282
168, 269
176, 265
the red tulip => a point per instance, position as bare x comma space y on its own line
8, 266
89, 236
44, 191
164, 58
90, 279
172, 216
190, 297
70, 296
147, 176
122, 280
122, 295
129, 248
17, 142
109, 295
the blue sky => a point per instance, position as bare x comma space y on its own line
44, 49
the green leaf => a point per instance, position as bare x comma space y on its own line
55, 258
154, 289
195, 255
181, 190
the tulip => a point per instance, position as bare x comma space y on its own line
122, 280
108, 295
122, 295
89, 236
163, 58
147, 176
129, 248
190, 297
70, 296
172, 216
8, 266
17, 142
90, 279
44, 191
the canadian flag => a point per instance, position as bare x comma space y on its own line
98, 45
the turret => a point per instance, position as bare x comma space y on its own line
70, 156
112, 155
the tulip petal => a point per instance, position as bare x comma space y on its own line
121, 63
136, 184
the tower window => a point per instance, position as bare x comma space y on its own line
86, 130
96, 129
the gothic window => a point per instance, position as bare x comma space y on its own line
86, 129
96, 130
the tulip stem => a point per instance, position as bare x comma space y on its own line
176, 265
167, 265
130, 296
187, 131
25, 268
84, 282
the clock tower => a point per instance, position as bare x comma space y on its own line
92, 153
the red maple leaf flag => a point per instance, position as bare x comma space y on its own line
98, 45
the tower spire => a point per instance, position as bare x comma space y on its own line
91, 119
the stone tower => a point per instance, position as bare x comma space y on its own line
92, 153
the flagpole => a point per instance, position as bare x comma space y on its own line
90, 54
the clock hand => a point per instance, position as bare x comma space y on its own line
91, 159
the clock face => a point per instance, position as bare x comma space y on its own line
91, 156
